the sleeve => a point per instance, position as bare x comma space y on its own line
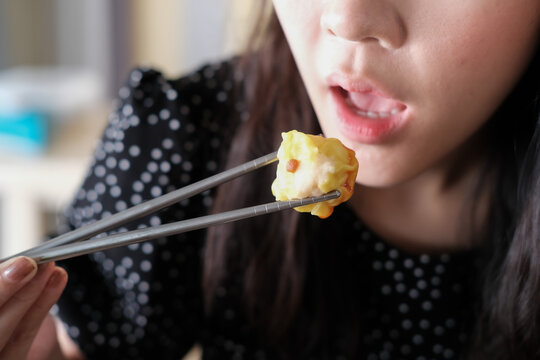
144, 300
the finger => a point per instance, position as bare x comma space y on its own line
46, 343
14, 273
17, 306
25, 333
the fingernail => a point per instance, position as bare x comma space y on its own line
54, 279
19, 269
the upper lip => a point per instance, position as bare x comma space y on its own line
354, 83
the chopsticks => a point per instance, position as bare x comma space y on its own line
62, 247
131, 237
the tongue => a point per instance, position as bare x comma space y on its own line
372, 102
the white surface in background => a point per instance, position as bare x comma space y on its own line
56, 91
205, 31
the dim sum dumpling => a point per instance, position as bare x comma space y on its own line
311, 165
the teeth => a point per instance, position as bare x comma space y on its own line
376, 114
361, 113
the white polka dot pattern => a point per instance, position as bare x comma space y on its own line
117, 299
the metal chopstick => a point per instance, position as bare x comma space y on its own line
150, 206
131, 237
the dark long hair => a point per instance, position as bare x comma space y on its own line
272, 252
276, 102
508, 325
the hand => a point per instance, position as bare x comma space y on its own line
27, 292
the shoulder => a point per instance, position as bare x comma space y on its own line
192, 115
164, 134
210, 88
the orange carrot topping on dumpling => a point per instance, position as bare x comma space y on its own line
292, 165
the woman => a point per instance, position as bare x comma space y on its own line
433, 258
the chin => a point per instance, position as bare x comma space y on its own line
380, 178
375, 181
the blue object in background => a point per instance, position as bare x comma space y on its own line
23, 133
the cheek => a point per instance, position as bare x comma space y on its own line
476, 64
300, 21
462, 78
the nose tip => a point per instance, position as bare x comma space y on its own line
364, 21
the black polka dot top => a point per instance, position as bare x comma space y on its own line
144, 301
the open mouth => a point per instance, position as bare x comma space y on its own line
364, 115
369, 104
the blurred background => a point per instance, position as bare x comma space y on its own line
61, 64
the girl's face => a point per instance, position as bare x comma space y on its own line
405, 83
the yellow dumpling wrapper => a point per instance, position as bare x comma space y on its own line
311, 165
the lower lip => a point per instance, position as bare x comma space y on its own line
364, 129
